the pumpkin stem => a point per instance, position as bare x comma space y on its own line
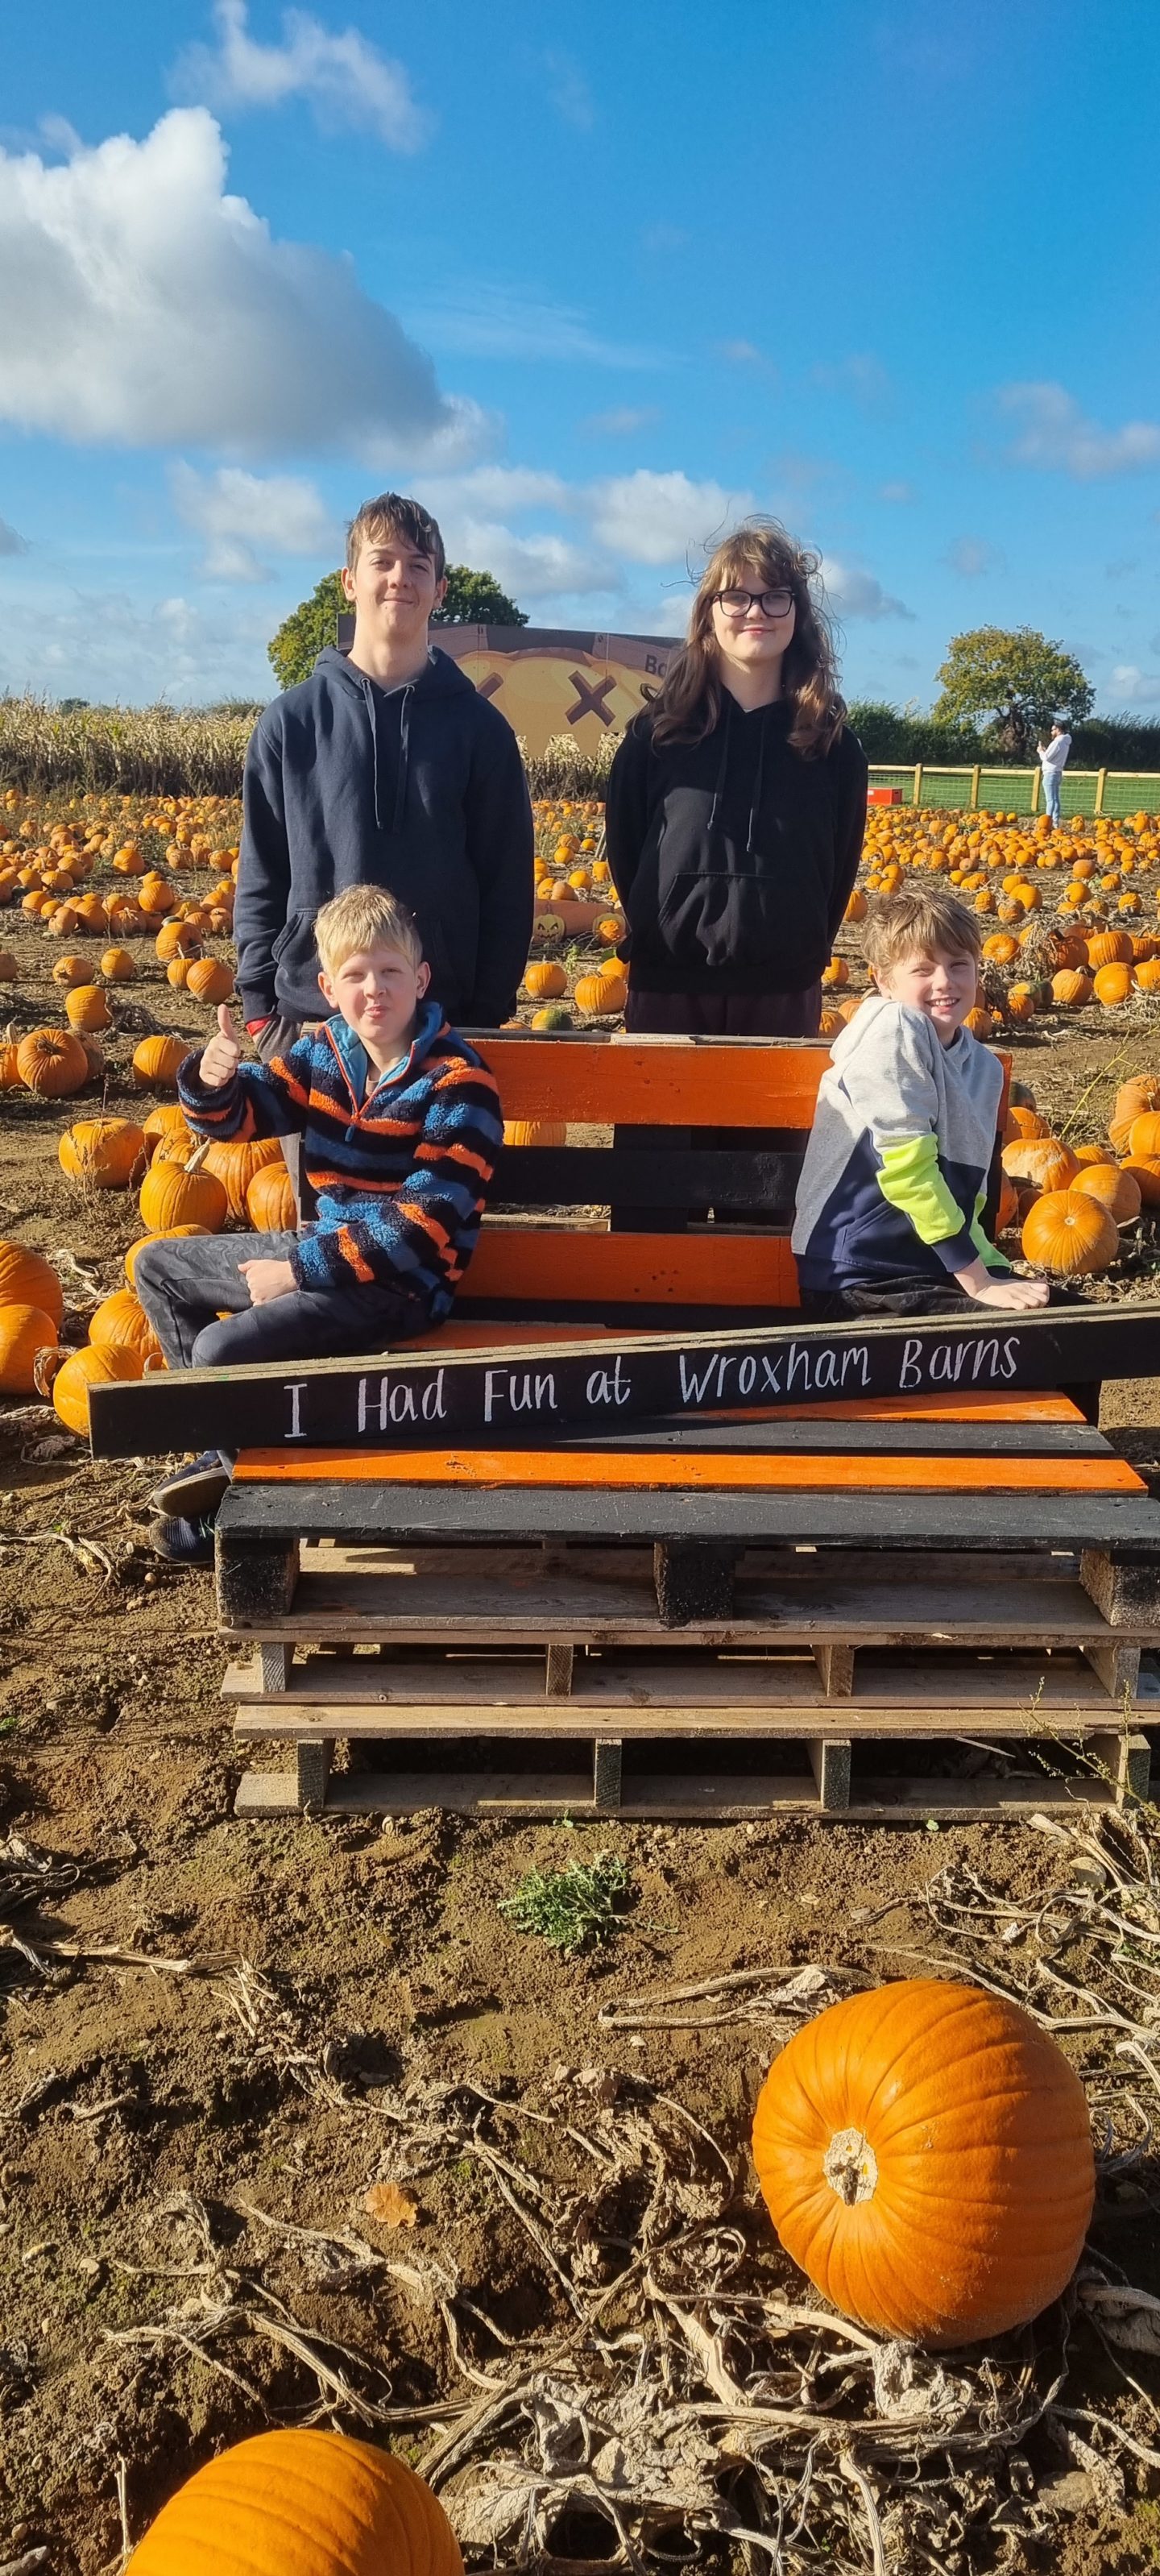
851, 2167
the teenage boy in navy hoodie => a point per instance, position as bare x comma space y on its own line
385, 767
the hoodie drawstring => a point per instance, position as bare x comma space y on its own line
758, 785
371, 695
722, 765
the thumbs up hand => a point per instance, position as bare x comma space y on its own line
221, 1058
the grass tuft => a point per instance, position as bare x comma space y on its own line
574, 1908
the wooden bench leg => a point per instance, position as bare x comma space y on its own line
1127, 1760
1125, 1587
830, 1764
314, 1759
607, 1764
694, 1581
558, 1684
255, 1578
835, 1670
275, 1663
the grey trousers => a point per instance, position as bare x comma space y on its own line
185, 1285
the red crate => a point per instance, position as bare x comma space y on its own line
885, 796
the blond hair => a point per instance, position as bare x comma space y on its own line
364, 916
925, 921
392, 514
758, 554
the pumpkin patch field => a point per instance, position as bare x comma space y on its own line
767, 2195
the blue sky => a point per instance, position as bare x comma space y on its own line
592, 283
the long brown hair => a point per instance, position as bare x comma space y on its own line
688, 704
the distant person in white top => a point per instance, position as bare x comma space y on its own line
1053, 761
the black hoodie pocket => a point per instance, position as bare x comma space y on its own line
718, 917
296, 957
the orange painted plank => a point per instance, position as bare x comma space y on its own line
687, 1470
677, 1082
539, 1264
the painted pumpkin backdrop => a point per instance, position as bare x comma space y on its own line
925, 2155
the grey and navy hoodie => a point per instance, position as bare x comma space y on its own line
420, 789
895, 1175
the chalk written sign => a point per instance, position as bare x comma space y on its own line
539, 1393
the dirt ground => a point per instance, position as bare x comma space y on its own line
149, 2107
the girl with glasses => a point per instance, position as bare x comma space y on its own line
737, 805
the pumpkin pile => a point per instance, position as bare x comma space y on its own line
1073, 1203
925, 2154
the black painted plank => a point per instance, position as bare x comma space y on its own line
874, 1439
374, 1514
546, 1176
493, 1397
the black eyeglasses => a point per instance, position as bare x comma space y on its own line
737, 603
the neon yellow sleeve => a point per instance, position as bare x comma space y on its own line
988, 1252
911, 1181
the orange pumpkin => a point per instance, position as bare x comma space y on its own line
1008, 1206
610, 929
165, 1124
234, 1163
158, 1060
27, 1279
1071, 989
1134, 1097
544, 980
1110, 948
535, 1131
1026, 1122
1002, 947
170, 1196
108, 1153
25, 1331
1068, 1233
1144, 1135
1021, 1002
1042, 1161
52, 1062
305, 2504
73, 970
1116, 1189
602, 994
176, 939
1146, 1174
95, 1365
85, 1007
837, 972
120, 1322
117, 966
925, 2154
209, 981
270, 1203
168, 1236
1113, 985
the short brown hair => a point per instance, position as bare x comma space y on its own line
919, 922
364, 916
391, 514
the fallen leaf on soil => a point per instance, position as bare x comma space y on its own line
392, 2207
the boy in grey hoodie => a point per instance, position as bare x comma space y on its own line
894, 1183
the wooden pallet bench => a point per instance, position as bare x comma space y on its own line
630, 1536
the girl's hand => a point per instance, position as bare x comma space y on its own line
223, 1055
267, 1279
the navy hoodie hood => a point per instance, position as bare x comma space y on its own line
420, 789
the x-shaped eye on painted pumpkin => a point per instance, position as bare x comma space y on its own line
589, 698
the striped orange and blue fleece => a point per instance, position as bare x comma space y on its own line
400, 1163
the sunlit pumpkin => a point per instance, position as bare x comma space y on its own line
1144, 1135
603, 995
117, 966
159, 1061
545, 980
85, 1007
925, 2154
1042, 1161
1071, 988
234, 1162
95, 1365
27, 1279
209, 980
120, 1322
171, 1196
1146, 1174
1068, 1233
270, 1202
1115, 1189
1112, 985
1110, 948
25, 1331
108, 1153
52, 1062
306, 2503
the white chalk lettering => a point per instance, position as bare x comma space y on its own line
367, 1403
771, 1373
546, 1393
797, 1359
986, 1356
747, 1375
520, 1392
493, 1392
941, 1360
1011, 1355
434, 1409
910, 1374
826, 1372
402, 1404
858, 1359
694, 1388
295, 1394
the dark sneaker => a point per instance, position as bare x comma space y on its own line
182, 1542
192, 1492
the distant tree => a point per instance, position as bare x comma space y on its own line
1017, 677
472, 599
301, 637
475, 599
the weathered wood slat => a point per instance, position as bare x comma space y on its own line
539, 1267
720, 1798
404, 1513
614, 1469
685, 1082
487, 1396
474, 1694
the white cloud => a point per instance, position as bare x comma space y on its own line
853, 593
1131, 687
654, 518
106, 646
142, 303
1056, 436
243, 518
10, 542
496, 322
973, 556
344, 79
569, 92
528, 567
500, 487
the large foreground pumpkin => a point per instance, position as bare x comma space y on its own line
925, 2154
301, 2504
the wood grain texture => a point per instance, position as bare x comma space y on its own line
687, 1082
565, 1265
689, 1471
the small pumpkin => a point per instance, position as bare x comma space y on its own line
177, 973
1117, 1190
117, 966
73, 970
158, 1061
1109, 948
545, 980
1027, 1123
1068, 1233
108, 1153
25, 1331
234, 1163
1042, 1161
165, 1123
85, 1007
52, 1063
120, 1322
1008, 1207
176, 939
270, 1202
96, 1365
307, 2503
169, 1235
553, 1016
604, 995
27, 1279
837, 972
1071, 988
1113, 984
209, 980
171, 1196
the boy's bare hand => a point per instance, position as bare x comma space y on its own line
223, 1055
1011, 1293
266, 1279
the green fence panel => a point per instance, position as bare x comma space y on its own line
1131, 792
903, 778
949, 788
